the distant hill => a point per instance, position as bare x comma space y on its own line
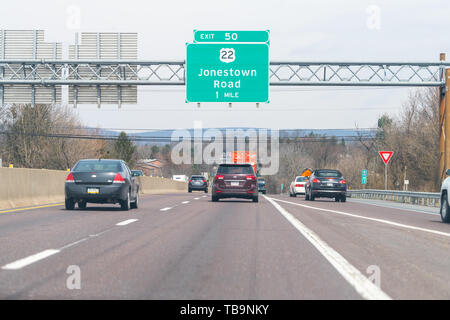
162, 137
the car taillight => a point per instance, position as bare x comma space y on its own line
118, 178
299, 185
219, 177
203, 181
190, 180
250, 177
343, 181
70, 178
315, 180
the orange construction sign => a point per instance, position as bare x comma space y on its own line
245, 157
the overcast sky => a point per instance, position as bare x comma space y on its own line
299, 30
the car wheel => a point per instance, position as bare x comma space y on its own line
255, 199
69, 204
206, 190
343, 198
189, 190
214, 198
445, 209
264, 192
294, 195
337, 199
311, 197
135, 203
125, 204
82, 205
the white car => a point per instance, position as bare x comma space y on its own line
445, 209
298, 186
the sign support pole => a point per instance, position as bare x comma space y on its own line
385, 177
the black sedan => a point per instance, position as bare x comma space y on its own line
326, 183
101, 181
198, 183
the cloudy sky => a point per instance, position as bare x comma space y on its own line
299, 30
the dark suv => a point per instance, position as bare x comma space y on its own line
326, 183
235, 181
198, 183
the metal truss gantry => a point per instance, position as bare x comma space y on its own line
283, 73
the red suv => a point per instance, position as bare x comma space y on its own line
235, 181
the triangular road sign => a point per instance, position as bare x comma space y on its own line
386, 155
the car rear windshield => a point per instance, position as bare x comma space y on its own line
300, 179
198, 178
328, 173
235, 169
97, 166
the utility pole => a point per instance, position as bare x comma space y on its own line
444, 122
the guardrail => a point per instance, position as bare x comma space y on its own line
421, 198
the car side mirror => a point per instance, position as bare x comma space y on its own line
448, 172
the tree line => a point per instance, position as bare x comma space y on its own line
29, 139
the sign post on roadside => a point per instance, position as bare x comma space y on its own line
385, 156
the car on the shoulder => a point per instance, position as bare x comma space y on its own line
445, 207
101, 181
326, 183
197, 182
262, 185
235, 181
298, 186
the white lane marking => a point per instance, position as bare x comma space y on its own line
393, 207
356, 279
196, 198
184, 202
406, 226
124, 223
204, 197
19, 264
165, 209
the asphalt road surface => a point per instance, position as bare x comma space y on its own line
183, 246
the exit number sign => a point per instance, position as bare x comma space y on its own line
227, 71
231, 36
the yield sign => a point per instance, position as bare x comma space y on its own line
386, 156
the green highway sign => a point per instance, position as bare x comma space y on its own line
231, 36
227, 72
364, 177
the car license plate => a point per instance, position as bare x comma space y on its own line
93, 190
234, 183
330, 184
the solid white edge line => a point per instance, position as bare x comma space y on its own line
354, 277
124, 223
355, 200
396, 224
19, 264
196, 198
